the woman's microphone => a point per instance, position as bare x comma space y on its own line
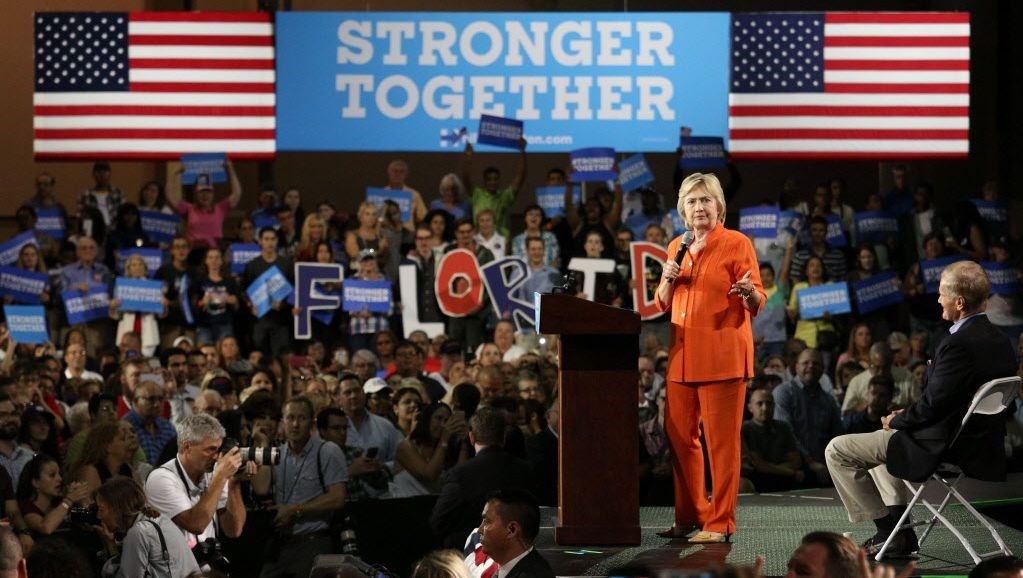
687, 239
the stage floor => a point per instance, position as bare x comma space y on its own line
771, 525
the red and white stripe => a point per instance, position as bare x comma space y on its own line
199, 82
896, 85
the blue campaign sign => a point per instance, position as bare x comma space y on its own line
264, 221
875, 226
211, 164
10, 249
160, 227
139, 295
677, 223
593, 164
186, 305
875, 292
791, 222
502, 280
830, 297
994, 213
359, 294
759, 222
500, 132
88, 306
22, 285
353, 80
835, 237
1003, 276
241, 254
702, 152
930, 270
633, 173
27, 323
152, 257
51, 222
552, 200
403, 198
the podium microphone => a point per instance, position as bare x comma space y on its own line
687, 239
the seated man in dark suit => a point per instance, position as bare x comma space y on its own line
868, 468
465, 487
511, 521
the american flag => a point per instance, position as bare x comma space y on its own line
153, 84
850, 85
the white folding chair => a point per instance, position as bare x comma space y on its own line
992, 398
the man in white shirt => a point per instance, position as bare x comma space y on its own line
511, 521
487, 235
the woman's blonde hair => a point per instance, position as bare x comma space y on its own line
441, 564
710, 184
132, 259
305, 242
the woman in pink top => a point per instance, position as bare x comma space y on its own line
204, 219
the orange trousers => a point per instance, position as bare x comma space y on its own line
719, 405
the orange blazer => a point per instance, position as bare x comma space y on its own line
711, 334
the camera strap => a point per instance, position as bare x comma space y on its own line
188, 492
163, 545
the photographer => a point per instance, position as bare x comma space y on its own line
308, 485
150, 544
198, 489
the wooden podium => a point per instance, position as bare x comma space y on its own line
598, 470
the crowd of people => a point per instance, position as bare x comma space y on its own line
148, 436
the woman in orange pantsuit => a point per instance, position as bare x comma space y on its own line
711, 297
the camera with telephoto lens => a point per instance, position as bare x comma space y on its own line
85, 515
263, 456
209, 553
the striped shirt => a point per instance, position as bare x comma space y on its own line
834, 264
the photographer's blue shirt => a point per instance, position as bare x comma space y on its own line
297, 479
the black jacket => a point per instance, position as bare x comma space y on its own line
977, 353
532, 565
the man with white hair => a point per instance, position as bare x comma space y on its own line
209, 402
198, 489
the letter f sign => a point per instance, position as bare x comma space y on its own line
309, 296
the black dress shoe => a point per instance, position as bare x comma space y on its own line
904, 545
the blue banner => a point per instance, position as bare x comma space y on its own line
835, 236
930, 270
269, 287
152, 257
359, 294
354, 80
185, 301
159, 226
88, 306
759, 222
51, 222
241, 254
1003, 276
876, 292
633, 173
875, 226
791, 222
593, 164
552, 200
677, 223
830, 297
211, 164
995, 214
139, 295
403, 198
27, 323
499, 132
702, 152
10, 249
22, 285
263, 221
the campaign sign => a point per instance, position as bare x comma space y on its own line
593, 164
51, 222
994, 213
835, 237
791, 222
633, 173
405, 81
27, 323
241, 254
501, 278
875, 226
403, 198
10, 249
211, 164
759, 222
930, 270
159, 226
88, 306
457, 284
139, 295
183, 299
268, 288
262, 221
876, 292
589, 268
22, 285
152, 257
643, 256
677, 223
830, 297
1004, 278
702, 152
408, 284
552, 200
361, 294
500, 132
311, 299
